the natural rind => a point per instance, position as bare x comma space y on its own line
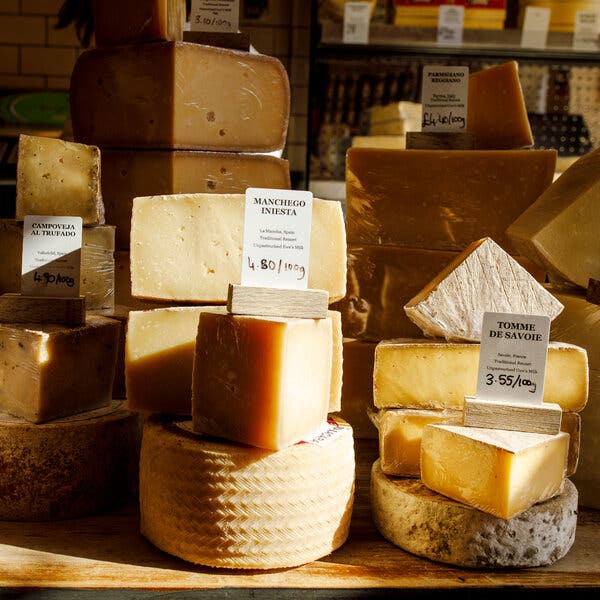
234, 506
430, 525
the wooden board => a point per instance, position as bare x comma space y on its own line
439, 140
233, 41
593, 291
16, 308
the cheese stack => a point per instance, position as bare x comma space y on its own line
472, 483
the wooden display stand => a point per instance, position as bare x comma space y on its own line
232, 41
16, 308
439, 140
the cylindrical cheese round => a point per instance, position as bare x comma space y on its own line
68, 468
428, 524
229, 505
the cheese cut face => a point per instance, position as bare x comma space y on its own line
51, 371
499, 472
119, 23
58, 178
441, 199
496, 110
121, 314
181, 96
560, 229
234, 506
262, 381
188, 247
123, 285
127, 174
483, 278
433, 374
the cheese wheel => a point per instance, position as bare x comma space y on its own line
69, 467
222, 504
428, 524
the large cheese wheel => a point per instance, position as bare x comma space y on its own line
69, 467
428, 524
222, 504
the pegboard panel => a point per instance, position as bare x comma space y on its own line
534, 81
584, 98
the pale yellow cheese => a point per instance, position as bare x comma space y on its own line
264, 381
123, 285
434, 374
188, 247
571, 423
499, 472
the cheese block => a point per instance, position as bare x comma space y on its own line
188, 247
337, 362
571, 424
497, 471
434, 374
117, 23
58, 178
123, 285
49, 371
440, 199
129, 173
430, 525
70, 467
97, 263
179, 95
407, 113
263, 381
559, 231
233, 506
496, 110
483, 278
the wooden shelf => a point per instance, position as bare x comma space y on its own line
108, 555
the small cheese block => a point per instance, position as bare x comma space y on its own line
52, 371
499, 472
118, 23
71, 467
58, 178
119, 313
180, 96
483, 278
233, 506
571, 424
560, 229
410, 114
440, 199
127, 174
496, 110
97, 263
263, 381
433, 374
188, 247
400, 432
430, 525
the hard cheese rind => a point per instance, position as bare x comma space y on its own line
483, 278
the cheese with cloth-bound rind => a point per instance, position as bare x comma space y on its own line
440, 199
428, 524
71, 467
129, 173
435, 374
58, 178
483, 278
234, 506
181, 96
559, 231
497, 471
188, 247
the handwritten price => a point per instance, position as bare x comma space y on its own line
213, 22
277, 266
510, 381
49, 278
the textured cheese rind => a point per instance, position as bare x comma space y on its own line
68, 468
428, 524
483, 278
571, 423
435, 374
233, 506
188, 247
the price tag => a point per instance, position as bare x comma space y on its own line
535, 27
450, 25
586, 33
277, 227
215, 15
51, 256
357, 17
512, 360
444, 98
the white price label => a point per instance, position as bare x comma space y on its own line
357, 17
535, 27
215, 15
450, 25
277, 227
512, 359
586, 34
51, 261
444, 97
